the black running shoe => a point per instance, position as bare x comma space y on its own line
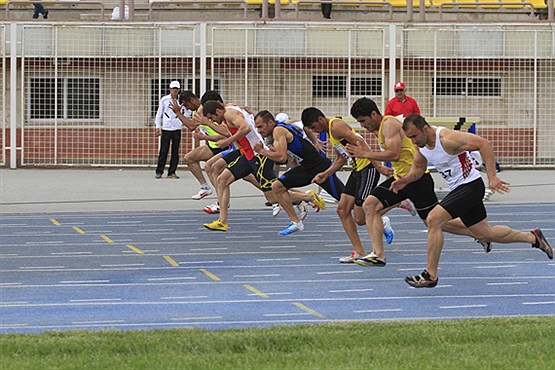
370, 260
487, 245
541, 243
421, 281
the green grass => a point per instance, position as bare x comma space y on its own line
523, 343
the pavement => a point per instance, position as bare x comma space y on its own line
99, 190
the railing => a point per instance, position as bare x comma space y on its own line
485, 4
53, 3
162, 3
346, 3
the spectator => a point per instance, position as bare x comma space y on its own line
116, 15
40, 9
168, 127
401, 105
326, 9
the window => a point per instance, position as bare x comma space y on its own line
78, 99
336, 86
156, 93
467, 86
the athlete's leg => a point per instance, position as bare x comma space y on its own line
373, 210
436, 220
344, 211
193, 158
225, 179
285, 200
500, 234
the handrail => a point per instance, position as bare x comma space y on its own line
345, 2
154, 3
54, 2
485, 3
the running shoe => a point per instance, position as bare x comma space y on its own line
291, 228
202, 193
407, 205
173, 176
387, 230
317, 201
487, 245
303, 210
541, 243
158, 176
350, 258
276, 209
370, 260
421, 281
212, 209
216, 226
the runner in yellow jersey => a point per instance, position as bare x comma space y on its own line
399, 150
363, 178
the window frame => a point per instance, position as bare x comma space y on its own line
467, 81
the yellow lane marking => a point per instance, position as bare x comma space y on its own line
135, 249
108, 240
256, 291
54, 222
309, 310
78, 230
209, 274
171, 261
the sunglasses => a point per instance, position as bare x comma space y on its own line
399, 90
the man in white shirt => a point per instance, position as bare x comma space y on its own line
168, 127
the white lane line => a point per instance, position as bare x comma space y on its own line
195, 318
125, 222
339, 272
16, 302
124, 265
199, 262
207, 249
509, 283
41, 267
178, 238
244, 237
69, 253
186, 297
83, 281
380, 310
9, 255
8, 284
45, 242
465, 306
158, 231
279, 247
351, 290
269, 294
495, 267
537, 303
6, 325
96, 300
97, 322
287, 314
277, 259
172, 278
256, 276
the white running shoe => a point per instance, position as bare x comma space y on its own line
407, 205
350, 258
276, 209
387, 230
202, 193
211, 209
303, 210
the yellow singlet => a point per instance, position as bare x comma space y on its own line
339, 145
403, 165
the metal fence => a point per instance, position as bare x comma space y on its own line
86, 95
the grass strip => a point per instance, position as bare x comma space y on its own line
498, 343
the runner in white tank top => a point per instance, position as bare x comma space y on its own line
447, 150
455, 169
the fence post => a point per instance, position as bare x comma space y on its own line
13, 96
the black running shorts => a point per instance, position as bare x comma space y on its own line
361, 183
260, 166
466, 202
421, 192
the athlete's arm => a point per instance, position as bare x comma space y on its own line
279, 151
455, 142
337, 164
418, 168
176, 107
236, 119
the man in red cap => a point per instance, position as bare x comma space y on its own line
401, 104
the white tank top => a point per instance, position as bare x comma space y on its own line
456, 169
